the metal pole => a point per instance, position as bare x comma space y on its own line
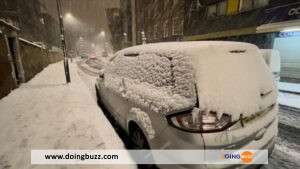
63, 42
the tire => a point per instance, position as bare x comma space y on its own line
139, 141
138, 138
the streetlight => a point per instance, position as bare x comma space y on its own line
63, 42
69, 15
102, 34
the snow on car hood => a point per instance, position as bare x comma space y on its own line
231, 78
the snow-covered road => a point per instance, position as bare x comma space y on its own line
46, 113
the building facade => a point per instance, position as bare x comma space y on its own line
271, 24
32, 18
159, 20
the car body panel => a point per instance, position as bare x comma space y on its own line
257, 134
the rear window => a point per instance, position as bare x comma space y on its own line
149, 68
165, 69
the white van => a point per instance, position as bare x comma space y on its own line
192, 95
272, 59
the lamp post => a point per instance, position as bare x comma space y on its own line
63, 42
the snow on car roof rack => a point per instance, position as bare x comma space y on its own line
237, 51
179, 46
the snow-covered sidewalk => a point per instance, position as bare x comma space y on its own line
289, 87
46, 113
289, 95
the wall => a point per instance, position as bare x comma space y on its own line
34, 59
6, 80
54, 57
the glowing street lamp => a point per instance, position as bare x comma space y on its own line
102, 34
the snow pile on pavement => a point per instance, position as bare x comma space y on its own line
147, 80
46, 113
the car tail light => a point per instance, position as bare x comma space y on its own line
199, 121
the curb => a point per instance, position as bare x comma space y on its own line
291, 92
294, 109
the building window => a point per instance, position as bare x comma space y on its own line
246, 5
222, 8
165, 28
149, 34
212, 11
218, 9
260, 3
195, 5
177, 26
155, 28
181, 27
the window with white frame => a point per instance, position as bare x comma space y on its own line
177, 26
212, 10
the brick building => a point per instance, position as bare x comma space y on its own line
160, 20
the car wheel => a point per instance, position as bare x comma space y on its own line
138, 138
139, 141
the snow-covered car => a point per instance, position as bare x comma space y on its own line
192, 95
272, 59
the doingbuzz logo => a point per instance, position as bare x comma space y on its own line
246, 156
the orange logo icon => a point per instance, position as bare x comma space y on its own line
247, 157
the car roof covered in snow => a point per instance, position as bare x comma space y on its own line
187, 46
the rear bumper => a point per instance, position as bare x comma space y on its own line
248, 137
270, 146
